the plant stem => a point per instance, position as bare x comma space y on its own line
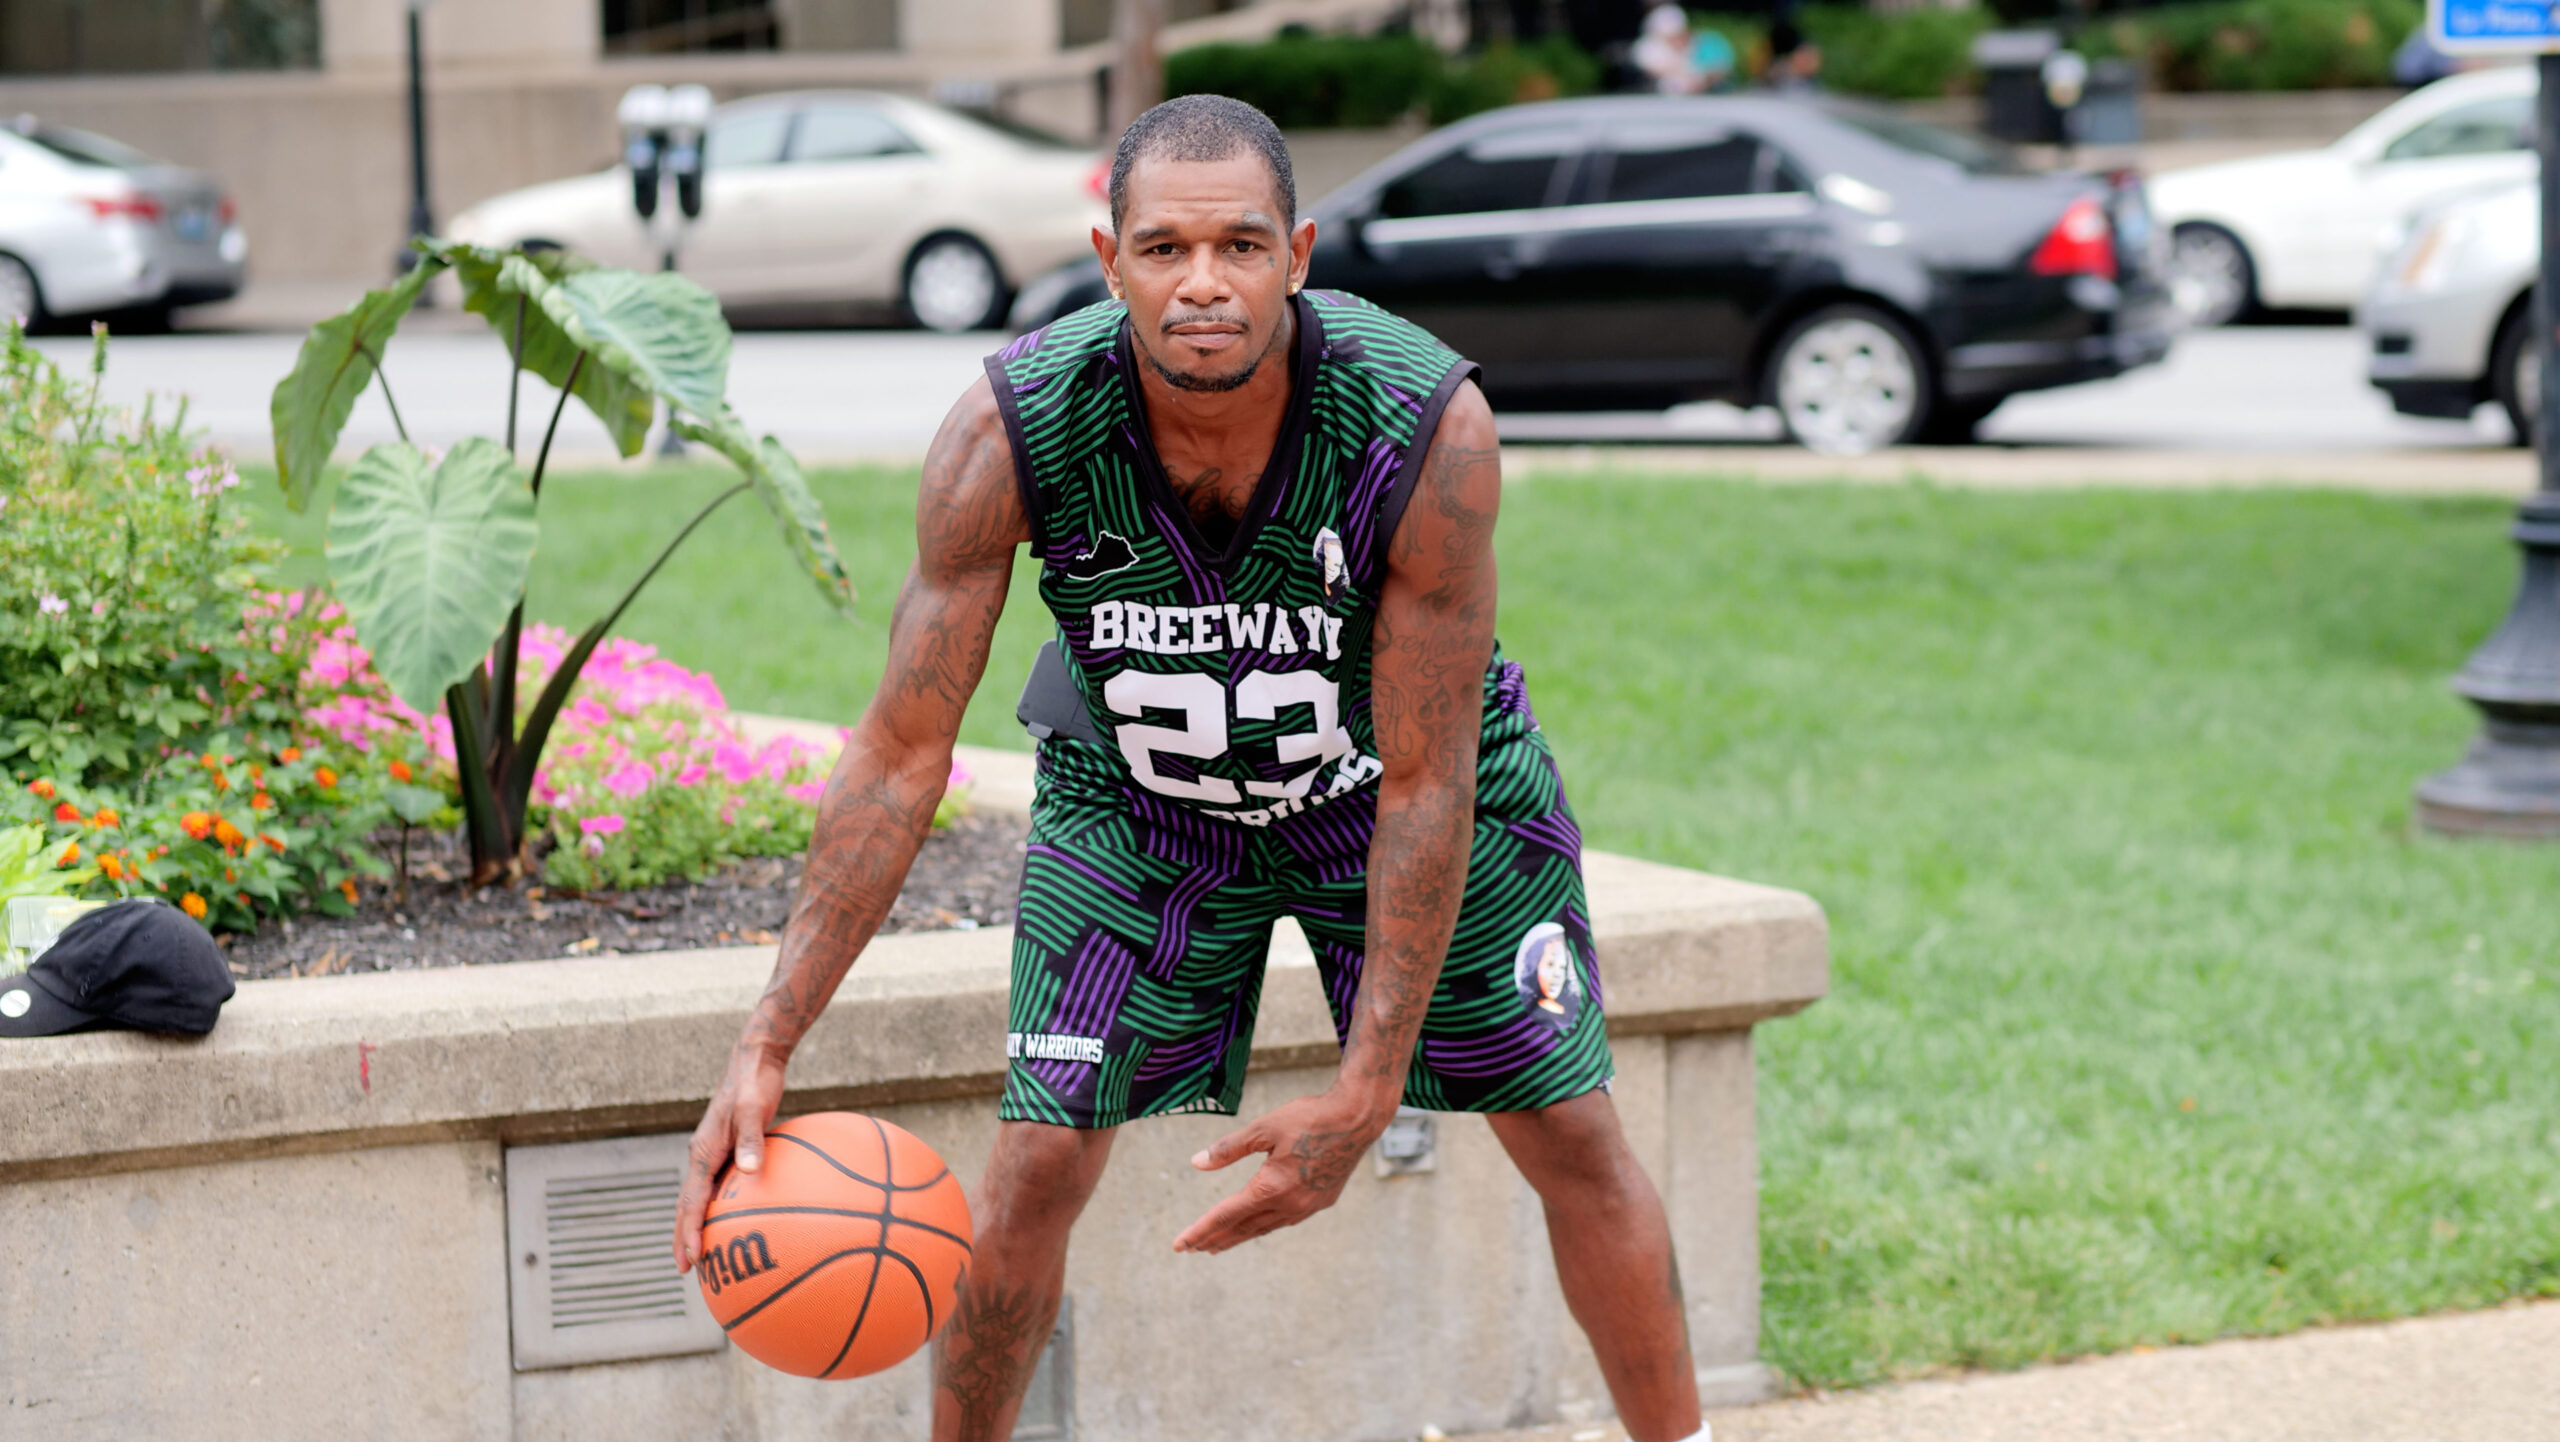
400, 896
515, 370
382, 378
542, 459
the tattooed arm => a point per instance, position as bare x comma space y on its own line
880, 800
1433, 639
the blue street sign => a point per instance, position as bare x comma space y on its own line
2494, 27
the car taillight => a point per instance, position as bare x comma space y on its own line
230, 210
2081, 243
127, 207
1098, 184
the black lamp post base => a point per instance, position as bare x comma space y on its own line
2508, 784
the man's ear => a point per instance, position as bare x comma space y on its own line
1106, 248
1302, 243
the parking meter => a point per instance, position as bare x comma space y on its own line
687, 115
643, 113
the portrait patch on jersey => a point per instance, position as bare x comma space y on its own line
1548, 979
1109, 553
1329, 568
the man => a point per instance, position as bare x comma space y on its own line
1265, 522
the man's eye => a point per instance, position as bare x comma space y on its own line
1240, 247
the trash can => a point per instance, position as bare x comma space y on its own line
2110, 108
2015, 106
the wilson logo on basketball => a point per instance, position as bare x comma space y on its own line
746, 1257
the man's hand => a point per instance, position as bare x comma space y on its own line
1310, 1147
735, 1122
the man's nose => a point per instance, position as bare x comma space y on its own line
1204, 281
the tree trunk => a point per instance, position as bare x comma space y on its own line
1137, 70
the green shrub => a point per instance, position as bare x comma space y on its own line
2261, 44
124, 577
1905, 55
1319, 82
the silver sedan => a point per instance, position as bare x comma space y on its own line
2450, 317
89, 225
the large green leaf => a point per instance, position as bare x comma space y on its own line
659, 330
311, 404
428, 559
490, 289
785, 492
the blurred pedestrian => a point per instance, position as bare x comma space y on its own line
1664, 53
1795, 62
1711, 57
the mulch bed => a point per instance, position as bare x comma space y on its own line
966, 877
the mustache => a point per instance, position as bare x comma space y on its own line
1235, 318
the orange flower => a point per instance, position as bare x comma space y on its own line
192, 905
272, 841
198, 824
289, 755
228, 834
399, 770
113, 866
106, 817
231, 876
257, 773
208, 762
347, 889
244, 898
325, 779
70, 855
65, 811
221, 782
262, 802
42, 788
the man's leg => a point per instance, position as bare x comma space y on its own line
1037, 1183
1613, 1254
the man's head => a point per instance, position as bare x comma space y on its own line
1205, 244
1555, 969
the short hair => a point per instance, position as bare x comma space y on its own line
1202, 127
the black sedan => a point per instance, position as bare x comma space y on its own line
1877, 280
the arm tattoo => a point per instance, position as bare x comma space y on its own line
1433, 640
879, 801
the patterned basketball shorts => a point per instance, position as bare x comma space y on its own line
1138, 958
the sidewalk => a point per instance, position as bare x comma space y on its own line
2489, 1376
2451, 471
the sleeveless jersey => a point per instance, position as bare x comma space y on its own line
1237, 682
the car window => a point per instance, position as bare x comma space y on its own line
1679, 164
1508, 170
1970, 153
81, 148
2483, 127
751, 137
844, 132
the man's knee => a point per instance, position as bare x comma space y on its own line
1574, 1148
1041, 1175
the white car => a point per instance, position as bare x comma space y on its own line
2304, 228
88, 225
838, 198
2451, 316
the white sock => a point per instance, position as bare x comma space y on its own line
1704, 1433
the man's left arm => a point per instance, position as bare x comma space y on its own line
1433, 639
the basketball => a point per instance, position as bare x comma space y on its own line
843, 1255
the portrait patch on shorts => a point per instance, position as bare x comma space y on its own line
1549, 980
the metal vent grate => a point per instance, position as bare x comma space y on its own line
590, 1278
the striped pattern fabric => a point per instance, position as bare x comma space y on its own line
1158, 863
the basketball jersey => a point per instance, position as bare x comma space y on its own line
1233, 681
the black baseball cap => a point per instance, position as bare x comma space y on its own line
136, 964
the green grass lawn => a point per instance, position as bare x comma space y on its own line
2152, 1019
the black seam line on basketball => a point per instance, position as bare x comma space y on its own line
870, 1289
820, 1265
954, 1237
857, 1176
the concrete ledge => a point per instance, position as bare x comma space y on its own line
610, 1045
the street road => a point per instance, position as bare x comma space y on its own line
855, 394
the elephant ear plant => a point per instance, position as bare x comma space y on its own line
430, 556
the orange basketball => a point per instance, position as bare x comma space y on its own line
843, 1255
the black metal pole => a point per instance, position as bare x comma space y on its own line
2508, 784
421, 219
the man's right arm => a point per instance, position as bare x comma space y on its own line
880, 800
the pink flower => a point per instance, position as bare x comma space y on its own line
693, 775
961, 775
609, 824
630, 779
807, 791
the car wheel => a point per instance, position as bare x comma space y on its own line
953, 285
19, 298
1849, 379
2211, 276
2515, 373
